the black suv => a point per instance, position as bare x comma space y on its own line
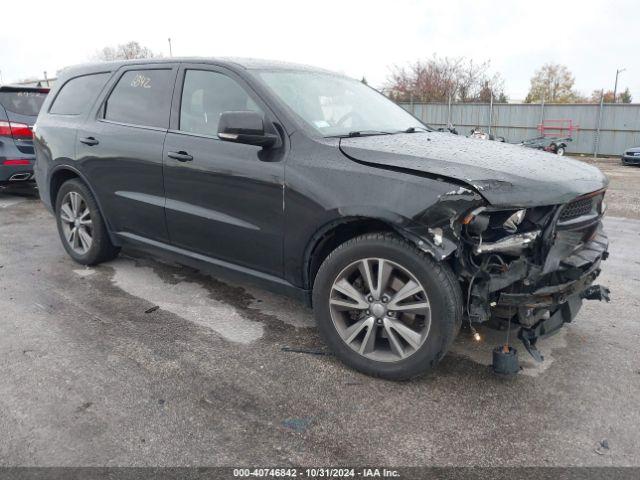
315, 185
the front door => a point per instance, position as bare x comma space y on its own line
223, 199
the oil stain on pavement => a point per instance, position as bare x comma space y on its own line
188, 300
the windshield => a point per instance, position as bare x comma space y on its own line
26, 102
335, 105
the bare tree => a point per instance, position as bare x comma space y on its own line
553, 83
434, 80
595, 96
125, 51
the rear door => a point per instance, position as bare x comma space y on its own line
120, 149
226, 199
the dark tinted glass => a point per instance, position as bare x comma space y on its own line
205, 96
77, 95
23, 103
141, 97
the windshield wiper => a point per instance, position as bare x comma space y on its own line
362, 133
366, 133
415, 129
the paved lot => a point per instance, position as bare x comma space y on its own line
623, 195
88, 378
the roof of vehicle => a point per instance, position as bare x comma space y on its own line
22, 88
246, 63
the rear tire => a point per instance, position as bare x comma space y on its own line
560, 151
81, 227
385, 338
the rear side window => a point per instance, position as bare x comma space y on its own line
141, 97
22, 102
76, 96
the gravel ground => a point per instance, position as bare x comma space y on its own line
88, 378
623, 195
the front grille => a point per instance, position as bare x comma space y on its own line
577, 208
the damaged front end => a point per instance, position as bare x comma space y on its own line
533, 267
524, 268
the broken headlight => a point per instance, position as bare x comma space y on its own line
511, 223
507, 231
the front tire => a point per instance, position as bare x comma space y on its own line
386, 308
82, 230
560, 151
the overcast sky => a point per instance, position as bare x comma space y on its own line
358, 38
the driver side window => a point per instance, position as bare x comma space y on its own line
205, 95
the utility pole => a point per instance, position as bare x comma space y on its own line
45, 78
490, 112
596, 138
171, 53
615, 88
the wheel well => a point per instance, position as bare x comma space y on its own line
57, 179
335, 235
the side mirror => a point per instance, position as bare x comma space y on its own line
244, 127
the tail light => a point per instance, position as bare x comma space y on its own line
16, 161
20, 131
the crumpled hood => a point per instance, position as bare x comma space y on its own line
506, 175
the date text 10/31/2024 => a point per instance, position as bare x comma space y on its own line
316, 472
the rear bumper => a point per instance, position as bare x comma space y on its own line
16, 173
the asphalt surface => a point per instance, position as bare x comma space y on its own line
87, 378
623, 194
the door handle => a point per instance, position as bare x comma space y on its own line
89, 141
181, 156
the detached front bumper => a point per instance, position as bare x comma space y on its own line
546, 309
575, 274
540, 296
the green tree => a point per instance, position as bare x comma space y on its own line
625, 96
552, 83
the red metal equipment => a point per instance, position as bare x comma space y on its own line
557, 128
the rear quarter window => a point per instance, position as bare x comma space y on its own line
141, 97
22, 102
77, 95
